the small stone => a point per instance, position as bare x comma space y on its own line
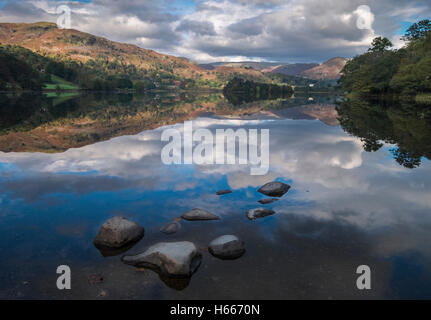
199, 214
274, 189
254, 214
227, 247
267, 200
118, 232
223, 192
171, 227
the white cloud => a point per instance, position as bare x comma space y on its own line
228, 30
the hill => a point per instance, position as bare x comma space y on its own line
261, 66
330, 70
295, 69
99, 58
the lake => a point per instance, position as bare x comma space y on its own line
360, 195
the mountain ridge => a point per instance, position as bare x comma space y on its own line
47, 39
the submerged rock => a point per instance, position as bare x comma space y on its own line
274, 189
227, 247
174, 259
267, 200
254, 214
95, 279
171, 227
199, 214
223, 192
118, 232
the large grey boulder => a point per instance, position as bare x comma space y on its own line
254, 214
227, 247
274, 189
199, 214
171, 227
173, 259
118, 232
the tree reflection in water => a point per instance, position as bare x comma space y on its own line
405, 125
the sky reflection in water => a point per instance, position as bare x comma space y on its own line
346, 207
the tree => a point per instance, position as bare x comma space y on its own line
380, 44
417, 30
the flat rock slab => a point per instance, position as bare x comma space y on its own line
199, 214
267, 200
257, 213
171, 227
227, 247
173, 259
274, 189
223, 192
118, 232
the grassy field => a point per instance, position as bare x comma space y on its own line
59, 83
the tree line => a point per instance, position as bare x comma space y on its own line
383, 70
238, 91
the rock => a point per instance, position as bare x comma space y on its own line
227, 247
267, 200
174, 259
118, 232
171, 227
254, 214
199, 214
274, 189
222, 192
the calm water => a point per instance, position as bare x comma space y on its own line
360, 195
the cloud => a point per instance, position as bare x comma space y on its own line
345, 183
197, 27
273, 30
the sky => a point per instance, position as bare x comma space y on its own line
235, 30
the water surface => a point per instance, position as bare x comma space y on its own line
360, 195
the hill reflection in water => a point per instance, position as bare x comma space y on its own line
347, 206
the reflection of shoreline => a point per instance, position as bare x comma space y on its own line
62, 124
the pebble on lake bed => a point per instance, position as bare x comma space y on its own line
227, 247
199, 214
118, 232
274, 189
254, 214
